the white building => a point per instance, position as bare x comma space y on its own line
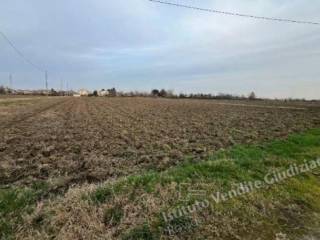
103, 93
83, 92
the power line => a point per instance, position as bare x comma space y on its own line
20, 53
25, 58
234, 13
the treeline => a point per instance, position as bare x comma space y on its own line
220, 96
51, 92
156, 93
4, 90
170, 94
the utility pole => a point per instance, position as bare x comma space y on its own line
46, 79
61, 84
10, 81
67, 86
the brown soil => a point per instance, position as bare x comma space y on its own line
95, 139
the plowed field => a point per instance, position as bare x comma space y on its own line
94, 139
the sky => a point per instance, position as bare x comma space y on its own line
140, 45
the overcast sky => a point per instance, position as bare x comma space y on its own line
139, 45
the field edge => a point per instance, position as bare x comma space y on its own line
137, 203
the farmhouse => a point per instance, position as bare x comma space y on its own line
83, 92
103, 93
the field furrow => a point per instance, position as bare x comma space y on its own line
74, 140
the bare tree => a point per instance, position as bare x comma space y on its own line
163, 93
2, 90
112, 92
252, 96
155, 92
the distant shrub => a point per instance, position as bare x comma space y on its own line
155, 92
163, 93
2, 90
112, 92
252, 96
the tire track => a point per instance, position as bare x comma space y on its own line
23, 149
27, 116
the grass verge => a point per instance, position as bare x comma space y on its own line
15, 203
133, 207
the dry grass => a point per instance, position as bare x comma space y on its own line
134, 204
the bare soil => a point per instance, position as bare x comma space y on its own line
79, 140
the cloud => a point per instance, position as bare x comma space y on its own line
140, 45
